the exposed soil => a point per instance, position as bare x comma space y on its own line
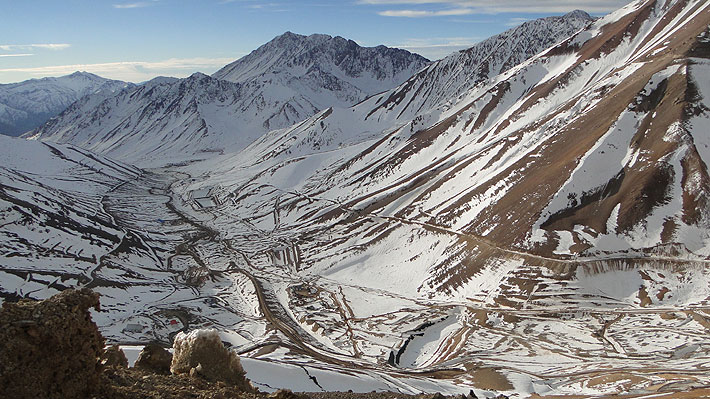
131, 383
490, 378
50, 349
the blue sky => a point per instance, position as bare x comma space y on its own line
136, 40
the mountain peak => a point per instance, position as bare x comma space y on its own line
288, 35
579, 14
291, 51
85, 75
198, 75
315, 39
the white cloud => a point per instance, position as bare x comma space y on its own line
15, 55
139, 4
438, 47
420, 14
46, 46
443, 7
132, 71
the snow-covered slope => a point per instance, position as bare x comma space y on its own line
593, 151
444, 81
543, 224
543, 234
316, 72
26, 105
54, 230
287, 80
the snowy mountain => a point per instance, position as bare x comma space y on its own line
317, 71
27, 105
549, 223
443, 82
286, 80
591, 154
541, 232
162, 120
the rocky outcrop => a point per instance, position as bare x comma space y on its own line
154, 358
113, 356
50, 349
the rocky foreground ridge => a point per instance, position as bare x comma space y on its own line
53, 349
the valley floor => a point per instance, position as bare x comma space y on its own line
311, 333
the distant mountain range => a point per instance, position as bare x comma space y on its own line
282, 82
26, 105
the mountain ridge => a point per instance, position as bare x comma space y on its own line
26, 105
186, 119
445, 80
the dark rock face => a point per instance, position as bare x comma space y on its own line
50, 349
154, 358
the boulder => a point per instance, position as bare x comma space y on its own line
154, 358
113, 356
200, 353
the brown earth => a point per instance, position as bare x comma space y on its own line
490, 379
50, 349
